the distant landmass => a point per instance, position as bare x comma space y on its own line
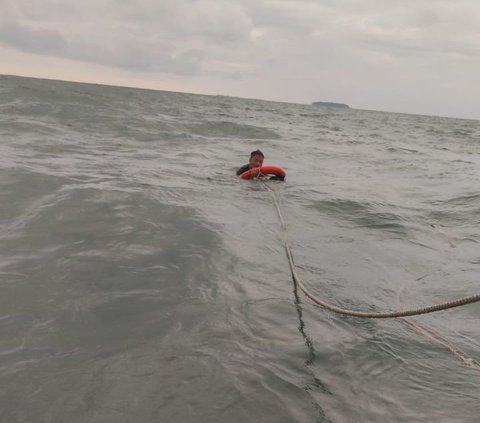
330, 104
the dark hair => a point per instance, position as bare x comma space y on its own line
256, 153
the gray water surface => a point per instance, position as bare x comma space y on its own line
140, 280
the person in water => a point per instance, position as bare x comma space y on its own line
254, 164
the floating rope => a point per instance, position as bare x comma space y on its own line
469, 362
356, 313
383, 314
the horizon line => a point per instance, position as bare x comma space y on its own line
113, 85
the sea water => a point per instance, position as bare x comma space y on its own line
141, 280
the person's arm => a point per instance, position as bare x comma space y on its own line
242, 169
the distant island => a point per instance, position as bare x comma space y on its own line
329, 104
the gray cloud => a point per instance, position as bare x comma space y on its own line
169, 36
197, 30
32, 40
123, 50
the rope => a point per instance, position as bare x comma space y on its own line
356, 313
467, 361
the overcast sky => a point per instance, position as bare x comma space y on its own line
409, 56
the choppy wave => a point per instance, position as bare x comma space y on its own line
141, 280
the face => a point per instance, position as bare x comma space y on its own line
256, 161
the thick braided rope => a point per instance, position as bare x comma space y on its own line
375, 315
356, 313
